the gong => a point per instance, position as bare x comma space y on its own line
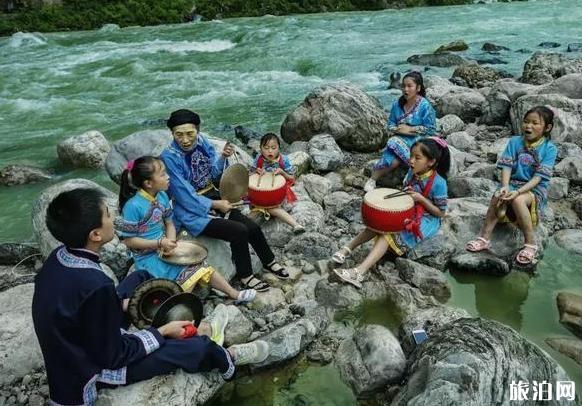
147, 298
183, 306
234, 183
186, 253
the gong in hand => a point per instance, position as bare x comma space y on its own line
234, 183
186, 253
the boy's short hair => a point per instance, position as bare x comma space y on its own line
72, 215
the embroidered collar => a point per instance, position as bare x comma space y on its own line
78, 258
425, 175
272, 161
147, 196
534, 144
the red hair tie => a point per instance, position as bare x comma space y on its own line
441, 141
129, 166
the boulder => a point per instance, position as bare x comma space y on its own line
495, 109
277, 232
301, 161
495, 150
571, 169
570, 240
570, 347
405, 298
337, 295
317, 186
558, 188
297, 146
476, 75
567, 149
568, 85
19, 351
459, 186
577, 206
444, 60
12, 175
455, 46
462, 141
355, 120
344, 205
490, 47
268, 301
171, 390
114, 253
429, 320
480, 170
450, 124
570, 309
482, 262
461, 101
244, 134
288, 341
549, 44
574, 47
15, 275
19, 253
88, 150
312, 246
370, 360
239, 327
336, 180
437, 86
153, 142
543, 67
326, 155
310, 215
473, 362
429, 281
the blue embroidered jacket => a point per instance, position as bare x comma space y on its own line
77, 318
189, 172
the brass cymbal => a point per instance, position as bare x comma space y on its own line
148, 298
182, 307
186, 253
234, 183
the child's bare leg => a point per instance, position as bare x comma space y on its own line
280, 213
490, 220
363, 237
520, 207
376, 253
253, 215
217, 281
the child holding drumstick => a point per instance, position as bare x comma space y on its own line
426, 184
271, 160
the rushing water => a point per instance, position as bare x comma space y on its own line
251, 72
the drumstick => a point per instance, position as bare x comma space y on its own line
395, 194
272, 180
259, 180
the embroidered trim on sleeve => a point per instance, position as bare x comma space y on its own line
148, 340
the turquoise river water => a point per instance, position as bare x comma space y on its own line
250, 72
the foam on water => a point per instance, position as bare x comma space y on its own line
26, 39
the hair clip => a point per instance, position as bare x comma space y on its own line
129, 166
441, 141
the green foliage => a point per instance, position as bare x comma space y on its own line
91, 14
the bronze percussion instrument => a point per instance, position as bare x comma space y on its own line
148, 298
234, 183
186, 253
183, 306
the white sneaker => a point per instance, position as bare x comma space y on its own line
250, 353
218, 321
351, 275
245, 296
370, 185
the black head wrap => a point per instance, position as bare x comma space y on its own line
183, 116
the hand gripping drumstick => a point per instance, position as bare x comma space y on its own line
189, 331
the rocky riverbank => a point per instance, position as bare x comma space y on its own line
333, 138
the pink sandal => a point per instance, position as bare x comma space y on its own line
478, 244
527, 255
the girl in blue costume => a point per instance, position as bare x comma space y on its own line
411, 117
527, 164
146, 227
426, 184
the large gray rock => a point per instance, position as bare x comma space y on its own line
482, 262
577, 206
12, 175
567, 149
277, 232
496, 108
344, 205
429, 320
543, 67
567, 115
468, 187
570, 308
429, 281
444, 59
370, 360
325, 153
570, 347
472, 362
570, 240
15, 275
558, 188
337, 295
25, 253
19, 349
310, 215
153, 142
172, 390
568, 85
476, 75
114, 253
268, 301
461, 101
455, 46
290, 340
571, 169
481, 170
462, 141
437, 86
317, 186
312, 246
88, 150
239, 327
450, 124
495, 150
355, 120
301, 161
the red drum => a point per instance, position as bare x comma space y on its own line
268, 190
385, 214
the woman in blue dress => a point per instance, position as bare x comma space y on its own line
411, 117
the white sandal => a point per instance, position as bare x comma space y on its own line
350, 275
339, 257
